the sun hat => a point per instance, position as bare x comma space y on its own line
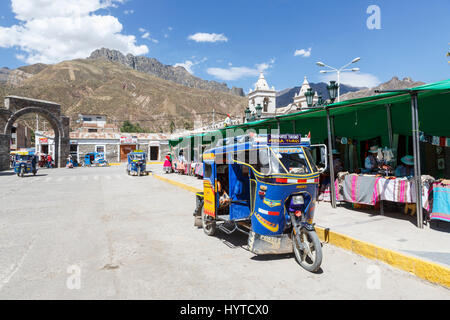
409, 160
373, 149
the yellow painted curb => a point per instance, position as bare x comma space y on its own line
148, 163
426, 270
178, 184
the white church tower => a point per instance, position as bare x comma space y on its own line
300, 98
262, 95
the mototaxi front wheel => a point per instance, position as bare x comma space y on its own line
308, 252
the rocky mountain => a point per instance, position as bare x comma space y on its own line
13, 77
393, 84
103, 87
286, 96
154, 67
4, 73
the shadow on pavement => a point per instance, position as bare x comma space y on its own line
28, 175
442, 226
7, 173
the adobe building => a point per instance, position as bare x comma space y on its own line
94, 134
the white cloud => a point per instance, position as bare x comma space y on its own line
303, 52
188, 64
207, 37
235, 73
354, 79
127, 12
146, 35
56, 30
232, 73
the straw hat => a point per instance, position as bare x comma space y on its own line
409, 160
373, 149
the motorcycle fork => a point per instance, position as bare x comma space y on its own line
296, 226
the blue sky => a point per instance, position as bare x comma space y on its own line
231, 41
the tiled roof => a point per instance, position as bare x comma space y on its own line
111, 135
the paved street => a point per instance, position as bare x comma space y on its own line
120, 237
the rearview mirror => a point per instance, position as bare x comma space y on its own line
321, 159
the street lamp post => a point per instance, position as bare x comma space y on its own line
247, 114
309, 94
333, 90
338, 71
258, 109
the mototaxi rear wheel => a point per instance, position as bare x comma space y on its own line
208, 225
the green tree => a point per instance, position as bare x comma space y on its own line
128, 126
172, 126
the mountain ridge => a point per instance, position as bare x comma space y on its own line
167, 72
104, 87
393, 84
286, 96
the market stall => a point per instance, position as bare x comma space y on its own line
407, 122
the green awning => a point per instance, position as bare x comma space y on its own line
364, 118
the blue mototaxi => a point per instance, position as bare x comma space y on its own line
95, 159
137, 163
25, 162
266, 187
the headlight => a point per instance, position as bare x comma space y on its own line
296, 200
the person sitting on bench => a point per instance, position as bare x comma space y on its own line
224, 199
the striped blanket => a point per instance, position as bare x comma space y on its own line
369, 189
360, 189
441, 202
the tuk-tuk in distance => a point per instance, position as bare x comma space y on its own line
95, 159
266, 187
25, 162
137, 163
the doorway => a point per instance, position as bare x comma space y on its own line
154, 153
44, 148
124, 150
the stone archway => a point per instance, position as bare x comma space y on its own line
16, 107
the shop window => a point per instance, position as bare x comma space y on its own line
100, 149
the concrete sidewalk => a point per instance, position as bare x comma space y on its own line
392, 238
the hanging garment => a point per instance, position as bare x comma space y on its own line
436, 140
441, 202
